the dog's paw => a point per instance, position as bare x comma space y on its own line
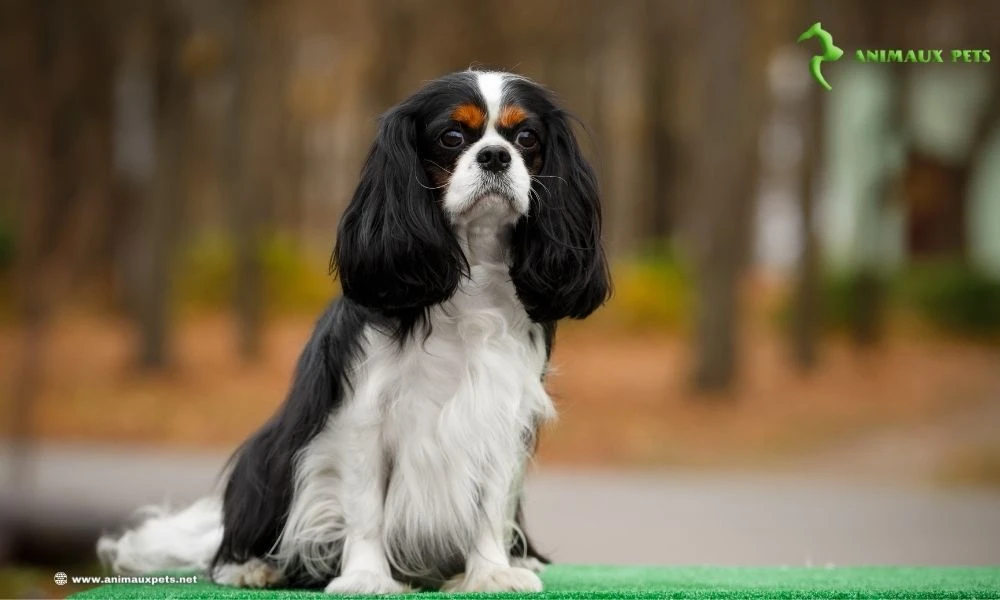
510, 579
255, 573
366, 583
528, 562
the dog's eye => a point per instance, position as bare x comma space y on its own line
527, 139
452, 138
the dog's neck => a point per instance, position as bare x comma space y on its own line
485, 240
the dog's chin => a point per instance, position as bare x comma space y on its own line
494, 206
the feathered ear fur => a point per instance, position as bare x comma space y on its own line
558, 264
394, 250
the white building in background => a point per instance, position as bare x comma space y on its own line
942, 108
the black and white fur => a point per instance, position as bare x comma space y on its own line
397, 457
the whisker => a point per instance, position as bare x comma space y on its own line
547, 190
440, 167
551, 177
436, 187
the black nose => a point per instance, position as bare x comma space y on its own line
493, 158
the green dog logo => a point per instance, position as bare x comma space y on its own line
830, 52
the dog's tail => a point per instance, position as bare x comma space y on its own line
166, 540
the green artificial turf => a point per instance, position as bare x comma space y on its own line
578, 581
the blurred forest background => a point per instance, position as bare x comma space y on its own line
794, 267
803, 277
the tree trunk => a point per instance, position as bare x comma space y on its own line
259, 68
727, 180
242, 183
887, 21
162, 197
135, 147
626, 149
33, 303
63, 92
868, 293
806, 317
661, 153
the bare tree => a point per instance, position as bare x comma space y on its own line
660, 94
806, 300
806, 315
243, 195
626, 150
34, 302
891, 20
731, 111
162, 195
65, 102
259, 63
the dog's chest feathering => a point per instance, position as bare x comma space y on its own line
477, 375
458, 410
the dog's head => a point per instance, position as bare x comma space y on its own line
469, 147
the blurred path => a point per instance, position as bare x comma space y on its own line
594, 516
742, 519
908, 452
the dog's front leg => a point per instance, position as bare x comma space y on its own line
364, 566
488, 568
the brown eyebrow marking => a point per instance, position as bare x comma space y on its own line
469, 115
510, 116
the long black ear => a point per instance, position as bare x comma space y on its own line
395, 251
558, 265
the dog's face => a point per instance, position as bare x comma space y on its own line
466, 147
482, 147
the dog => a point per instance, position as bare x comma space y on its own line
397, 458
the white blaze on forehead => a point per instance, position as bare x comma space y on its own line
469, 182
491, 87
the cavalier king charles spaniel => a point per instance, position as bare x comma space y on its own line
397, 458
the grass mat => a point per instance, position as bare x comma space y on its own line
585, 581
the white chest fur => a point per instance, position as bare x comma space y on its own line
448, 415
458, 406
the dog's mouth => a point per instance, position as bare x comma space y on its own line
495, 192
491, 195
495, 197
499, 203
492, 185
